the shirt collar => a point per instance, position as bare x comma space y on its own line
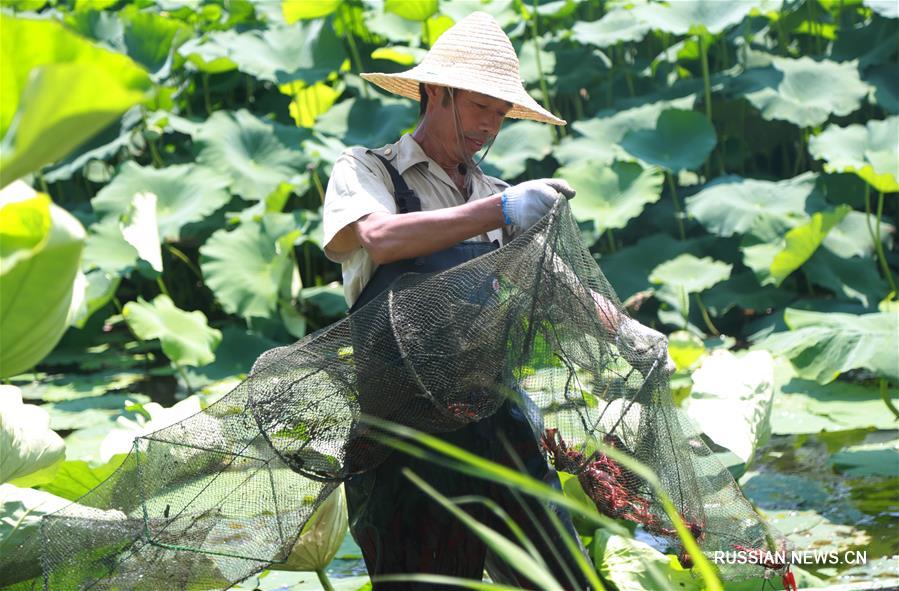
408, 153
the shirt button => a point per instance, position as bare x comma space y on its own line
388, 151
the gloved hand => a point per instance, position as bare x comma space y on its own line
645, 345
527, 202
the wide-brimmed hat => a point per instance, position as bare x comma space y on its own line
474, 54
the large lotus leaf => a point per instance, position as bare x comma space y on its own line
853, 278
105, 248
308, 102
76, 477
516, 143
805, 406
693, 16
393, 27
367, 122
628, 269
49, 84
870, 42
254, 154
185, 336
824, 345
29, 449
413, 10
233, 357
802, 91
211, 54
531, 70
691, 274
308, 50
681, 140
185, 193
885, 81
99, 289
602, 134
733, 205
869, 459
41, 250
245, 269
21, 510
851, 237
104, 146
151, 39
743, 290
870, 151
801, 242
139, 229
885, 8
634, 565
295, 10
613, 195
731, 400
81, 413
616, 26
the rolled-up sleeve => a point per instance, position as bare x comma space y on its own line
354, 190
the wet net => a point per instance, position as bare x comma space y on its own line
215, 498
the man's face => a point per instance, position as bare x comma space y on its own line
481, 117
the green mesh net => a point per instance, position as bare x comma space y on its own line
210, 501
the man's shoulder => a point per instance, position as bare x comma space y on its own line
364, 153
497, 182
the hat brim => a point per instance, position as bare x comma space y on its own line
406, 84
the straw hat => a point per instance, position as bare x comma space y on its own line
474, 54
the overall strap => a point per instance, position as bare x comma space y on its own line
406, 199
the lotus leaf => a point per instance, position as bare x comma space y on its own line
681, 140
413, 10
517, 143
254, 154
29, 449
603, 133
732, 205
185, 336
613, 195
869, 151
824, 345
367, 122
185, 193
616, 26
51, 89
245, 270
295, 10
693, 16
38, 266
851, 278
802, 91
691, 274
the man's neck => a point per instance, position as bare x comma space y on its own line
439, 152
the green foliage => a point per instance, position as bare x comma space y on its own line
185, 336
42, 245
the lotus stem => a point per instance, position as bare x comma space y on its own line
878, 244
678, 215
177, 253
544, 90
611, 235
875, 234
354, 51
324, 580
706, 318
207, 102
885, 395
704, 57
162, 286
154, 154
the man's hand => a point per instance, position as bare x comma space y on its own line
527, 202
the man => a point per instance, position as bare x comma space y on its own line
423, 204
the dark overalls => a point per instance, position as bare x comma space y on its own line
402, 530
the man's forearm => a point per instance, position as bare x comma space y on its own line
389, 238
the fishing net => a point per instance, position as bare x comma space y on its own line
223, 494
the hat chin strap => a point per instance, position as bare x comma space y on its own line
472, 168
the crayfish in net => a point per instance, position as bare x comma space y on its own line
616, 491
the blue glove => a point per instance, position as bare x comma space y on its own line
526, 203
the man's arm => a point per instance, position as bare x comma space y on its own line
394, 237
